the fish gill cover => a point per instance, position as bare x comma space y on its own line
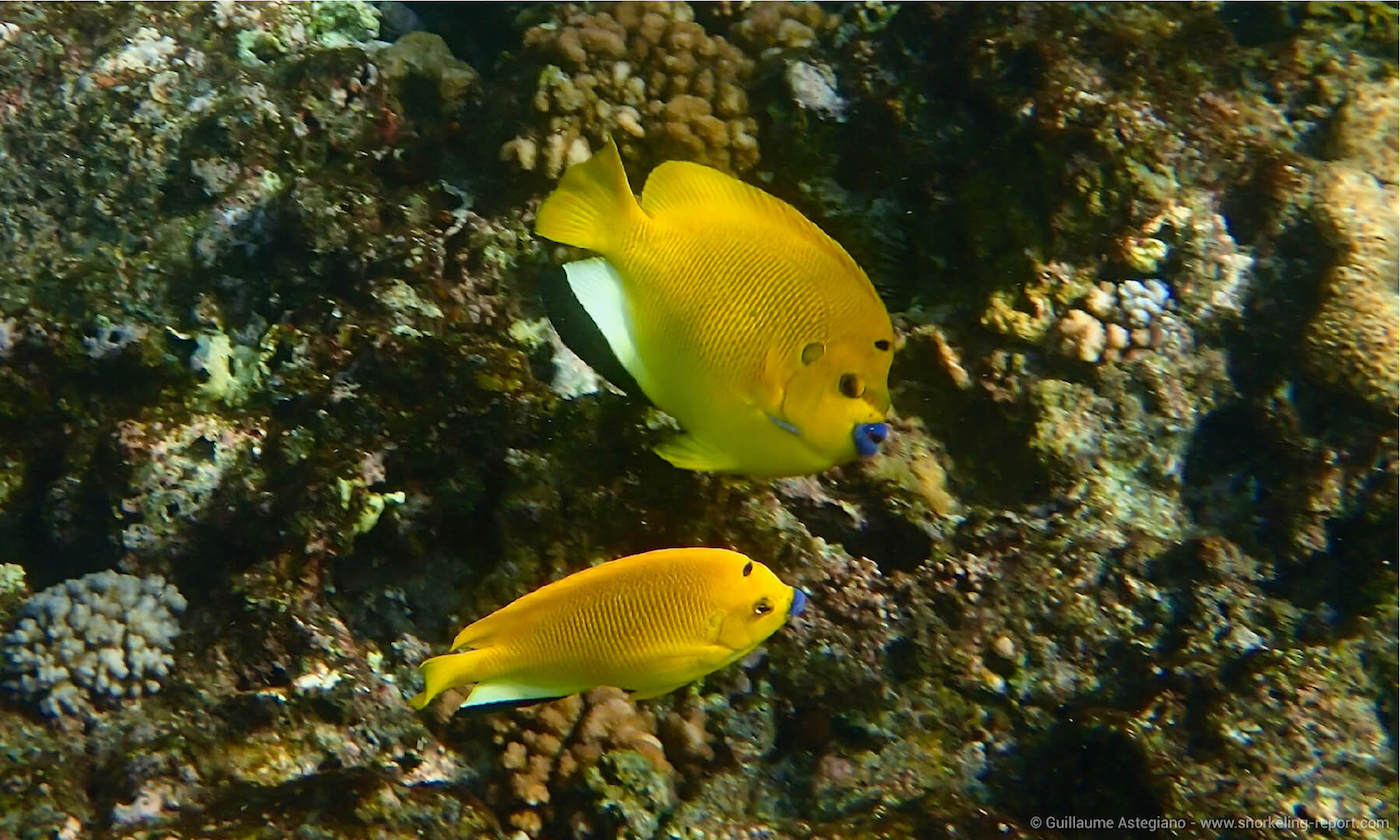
271, 328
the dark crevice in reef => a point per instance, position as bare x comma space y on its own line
477, 33
894, 544
1078, 770
993, 464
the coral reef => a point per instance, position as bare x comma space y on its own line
274, 327
93, 641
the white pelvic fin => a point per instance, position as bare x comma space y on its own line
599, 289
508, 693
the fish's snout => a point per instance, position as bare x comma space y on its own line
799, 602
869, 436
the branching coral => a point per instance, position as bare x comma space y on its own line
644, 73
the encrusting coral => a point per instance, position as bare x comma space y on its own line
1353, 341
645, 74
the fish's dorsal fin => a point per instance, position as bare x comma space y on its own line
593, 206
681, 187
599, 290
508, 694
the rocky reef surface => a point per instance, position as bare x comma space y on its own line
273, 329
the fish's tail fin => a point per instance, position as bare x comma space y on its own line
593, 206
449, 671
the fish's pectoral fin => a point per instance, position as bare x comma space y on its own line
684, 666
691, 453
503, 693
599, 289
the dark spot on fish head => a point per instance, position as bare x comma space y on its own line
748, 568
883, 345
852, 385
812, 352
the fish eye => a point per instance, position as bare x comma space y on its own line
763, 607
812, 352
882, 344
852, 385
748, 568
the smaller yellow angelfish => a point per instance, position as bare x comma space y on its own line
732, 311
648, 623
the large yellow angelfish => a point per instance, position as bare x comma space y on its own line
734, 313
649, 623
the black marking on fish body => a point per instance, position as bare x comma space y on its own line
748, 568
578, 331
501, 705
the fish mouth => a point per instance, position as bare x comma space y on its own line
869, 436
799, 603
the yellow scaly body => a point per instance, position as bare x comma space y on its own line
733, 312
648, 623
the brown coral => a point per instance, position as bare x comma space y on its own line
1353, 341
1366, 130
645, 74
782, 25
549, 748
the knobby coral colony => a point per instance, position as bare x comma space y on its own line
92, 641
271, 332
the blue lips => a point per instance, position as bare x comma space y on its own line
869, 436
799, 602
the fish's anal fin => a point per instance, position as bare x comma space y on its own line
647, 695
502, 693
600, 291
688, 452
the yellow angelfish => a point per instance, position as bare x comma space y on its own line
649, 623
734, 313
